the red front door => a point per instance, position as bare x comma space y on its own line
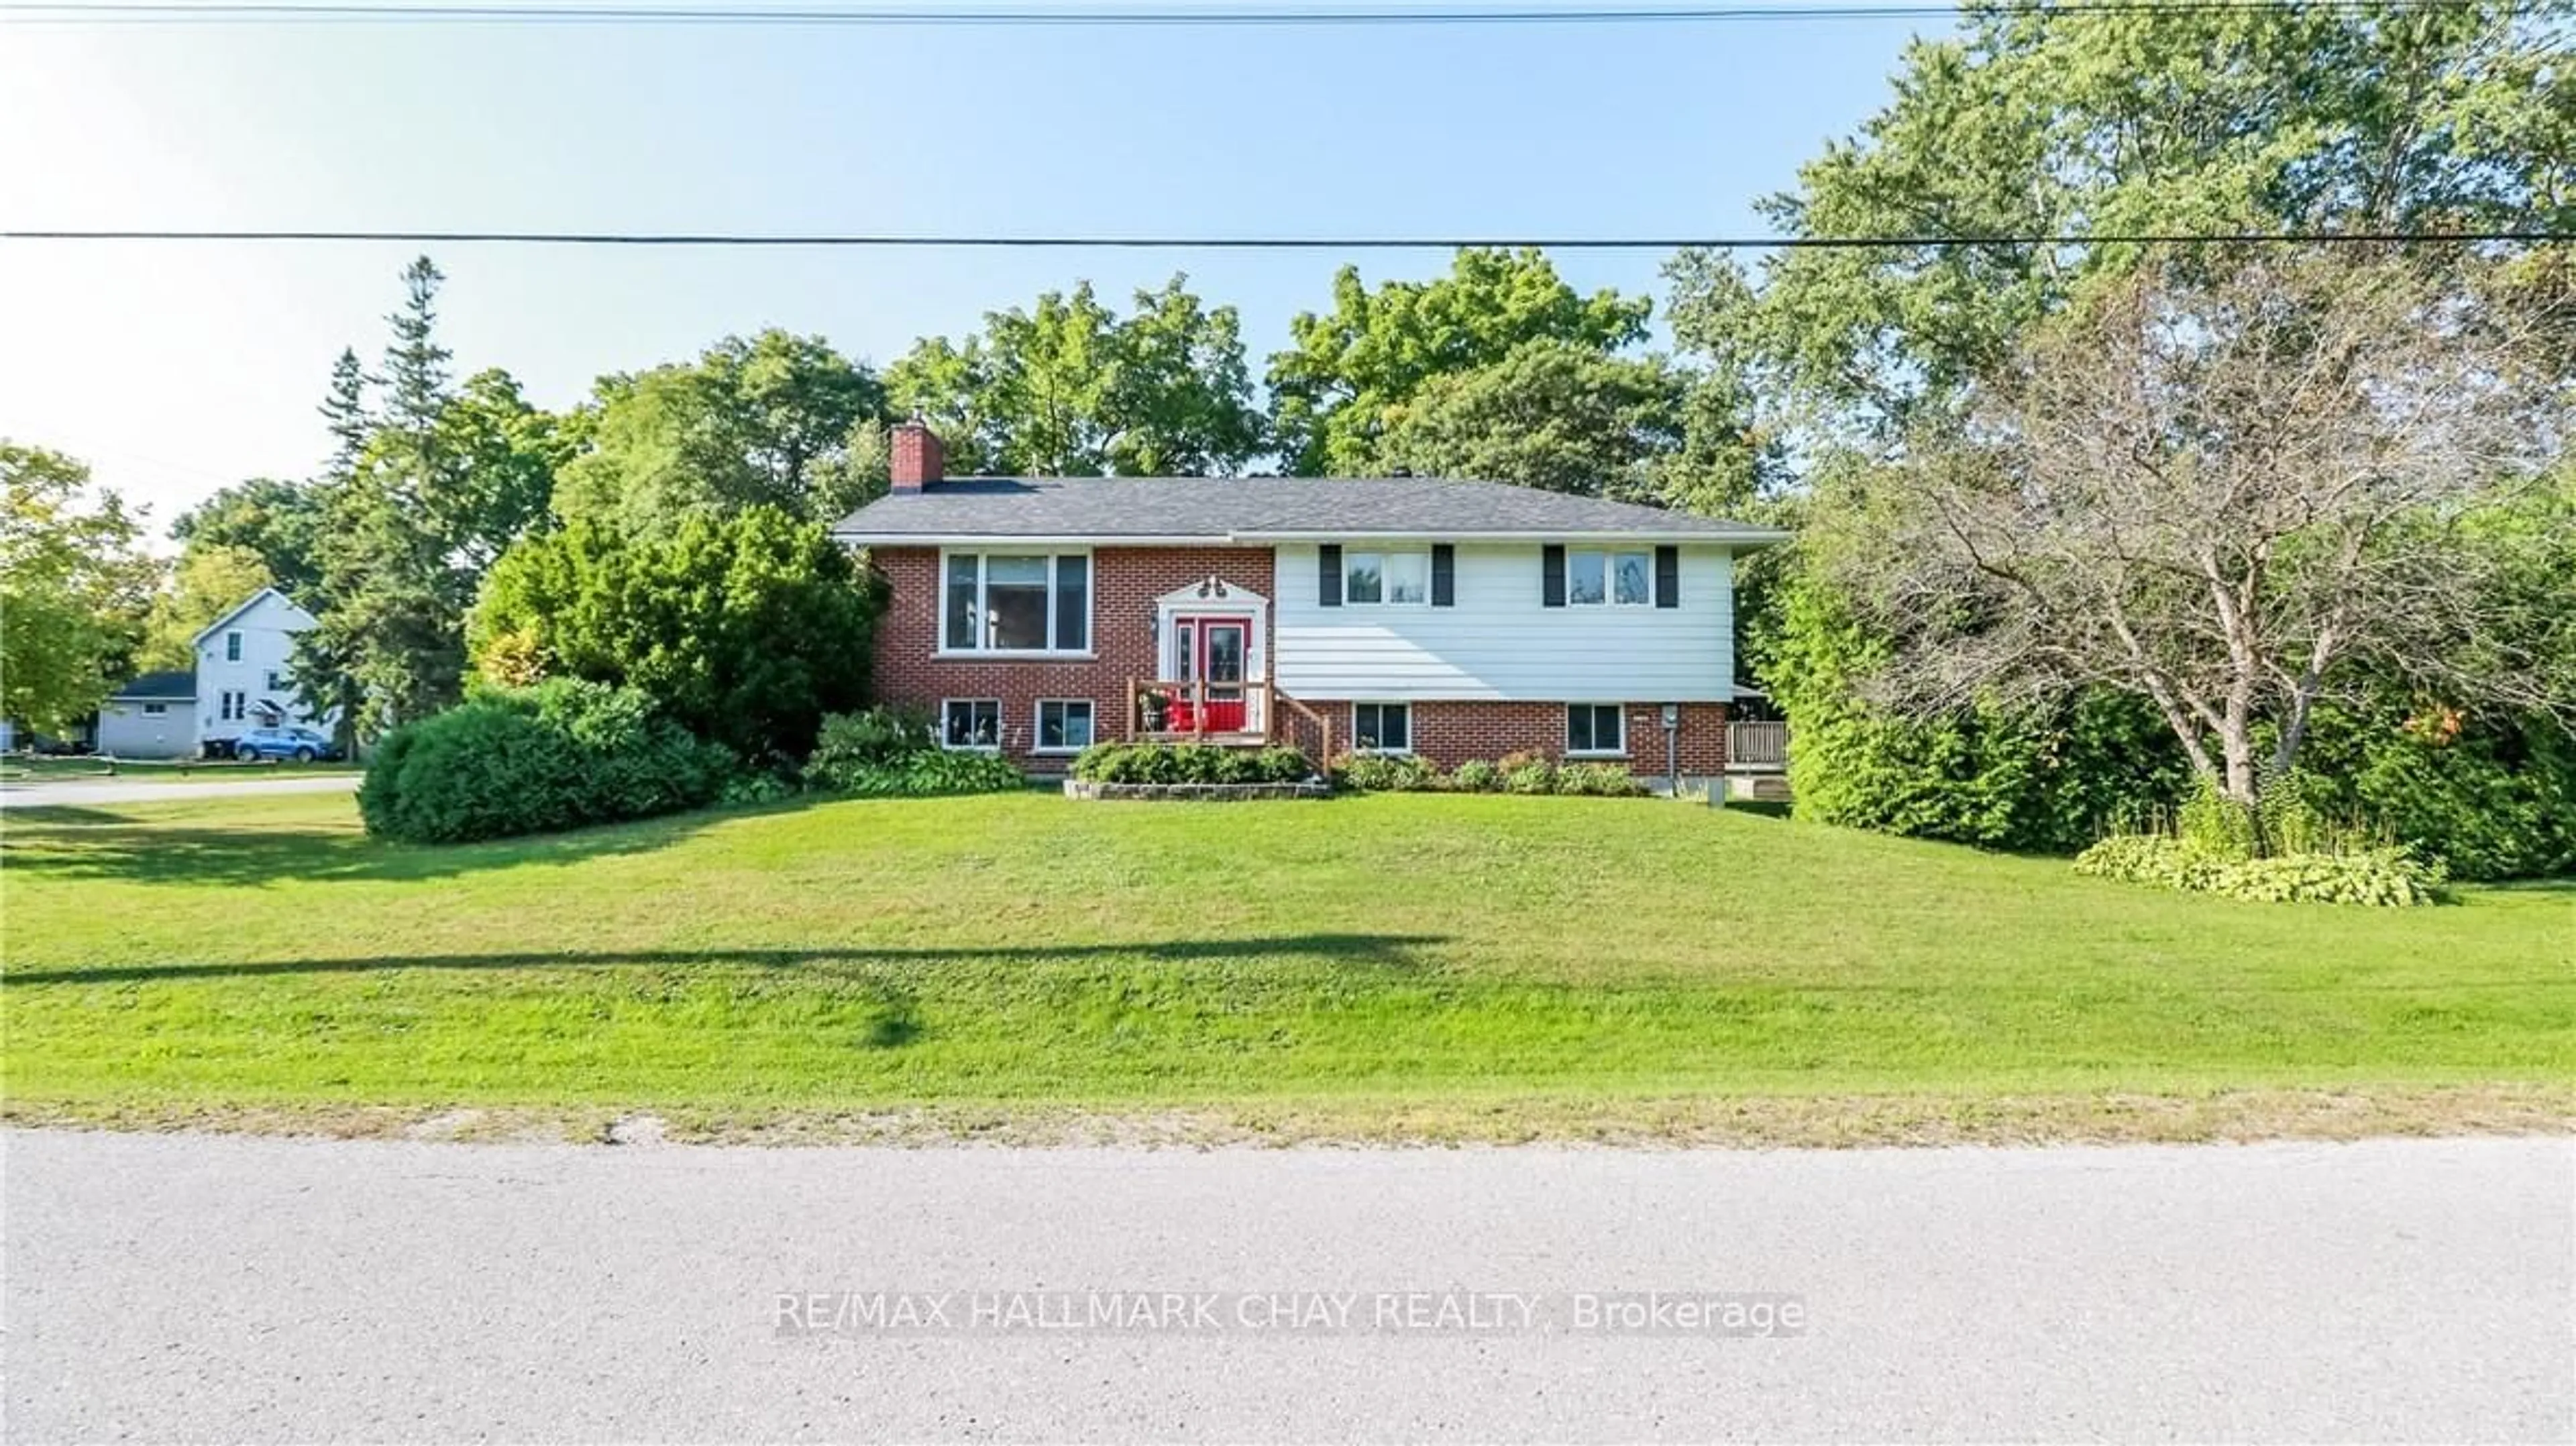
1213, 651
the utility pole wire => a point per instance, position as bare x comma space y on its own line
1292, 243
158, 12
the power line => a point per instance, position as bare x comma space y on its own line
257, 12
786, 240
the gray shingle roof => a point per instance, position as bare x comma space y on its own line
177, 684
1262, 509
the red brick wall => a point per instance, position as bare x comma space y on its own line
1450, 733
1125, 583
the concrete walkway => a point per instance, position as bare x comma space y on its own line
76, 792
194, 1288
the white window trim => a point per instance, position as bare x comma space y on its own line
1404, 703
1382, 553
233, 646
998, 728
1573, 752
156, 710
1090, 603
1609, 576
1037, 724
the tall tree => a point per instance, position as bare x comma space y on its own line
206, 583
344, 412
279, 522
1335, 392
73, 587
498, 458
1069, 388
2050, 122
1552, 415
2232, 495
763, 421
442, 482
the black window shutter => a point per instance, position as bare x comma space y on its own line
1444, 575
1668, 577
1551, 568
1328, 578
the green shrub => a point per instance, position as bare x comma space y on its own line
1598, 780
2387, 877
745, 628
2493, 796
1476, 776
1388, 773
755, 788
1104, 763
1189, 763
1282, 764
1527, 773
533, 760
929, 774
871, 737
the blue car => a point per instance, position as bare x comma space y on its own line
301, 744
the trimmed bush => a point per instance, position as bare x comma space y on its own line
1189, 763
1598, 780
1386, 773
534, 760
1527, 773
2385, 877
1282, 764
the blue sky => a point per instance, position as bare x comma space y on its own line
174, 370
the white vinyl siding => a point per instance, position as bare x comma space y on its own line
1500, 643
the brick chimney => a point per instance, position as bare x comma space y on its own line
918, 458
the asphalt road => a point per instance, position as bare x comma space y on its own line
200, 1288
74, 793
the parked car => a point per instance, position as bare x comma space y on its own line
301, 744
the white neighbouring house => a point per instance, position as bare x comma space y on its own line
242, 680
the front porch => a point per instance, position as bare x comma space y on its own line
1225, 713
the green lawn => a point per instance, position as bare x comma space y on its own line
1406, 964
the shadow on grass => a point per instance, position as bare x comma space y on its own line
92, 843
1383, 951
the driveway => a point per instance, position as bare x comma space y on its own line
76, 792
175, 1287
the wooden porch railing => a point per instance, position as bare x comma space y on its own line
1757, 747
1189, 712
1323, 728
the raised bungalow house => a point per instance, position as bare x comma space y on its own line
1450, 619
241, 681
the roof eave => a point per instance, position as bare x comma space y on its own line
245, 605
1745, 537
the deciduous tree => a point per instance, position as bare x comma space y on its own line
773, 420
1336, 391
2233, 495
206, 583
1069, 388
73, 587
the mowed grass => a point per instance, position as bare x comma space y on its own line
1434, 959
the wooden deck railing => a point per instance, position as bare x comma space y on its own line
1757, 747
